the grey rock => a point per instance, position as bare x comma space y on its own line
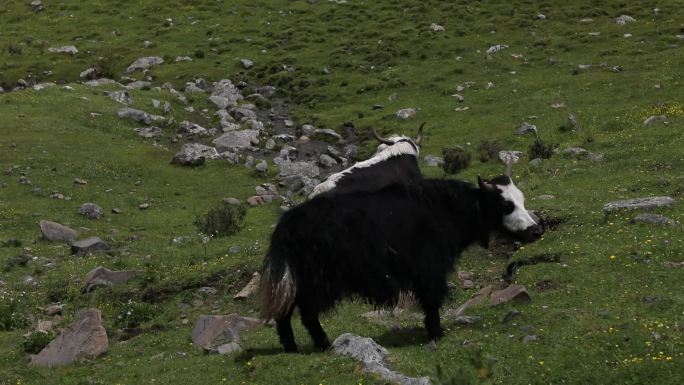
530, 338
99, 82
189, 128
88, 245
433, 161
53, 231
638, 203
308, 129
86, 337
654, 119
37, 6
373, 357
406, 113
326, 161
101, 276
149, 132
139, 85
301, 168
122, 97
91, 211
251, 288
525, 128
582, 153
178, 95
179, 59
236, 140
144, 63
215, 330
261, 167
225, 349
266, 91
516, 293
496, 48
194, 154
227, 90
327, 134
270, 144
89, 74
232, 201
246, 63
624, 19
193, 88
574, 124
70, 49
139, 116
653, 219
240, 113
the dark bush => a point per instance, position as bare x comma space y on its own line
199, 54
488, 150
134, 314
539, 149
455, 159
11, 317
222, 221
17, 260
36, 341
14, 49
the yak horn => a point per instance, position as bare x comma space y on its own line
509, 170
381, 139
419, 135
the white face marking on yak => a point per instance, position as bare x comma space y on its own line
519, 219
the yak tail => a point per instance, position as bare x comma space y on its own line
278, 289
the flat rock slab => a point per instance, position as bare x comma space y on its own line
144, 63
373, 357
212, 331
516, 293
653, 219
638, 203
236, 140
53, 231
102, 276
85, 337
88, 245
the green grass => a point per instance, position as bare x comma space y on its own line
589, 312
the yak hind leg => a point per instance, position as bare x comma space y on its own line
313, 325
284, 328
430, 299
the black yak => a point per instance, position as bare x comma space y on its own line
376, 245
395, 161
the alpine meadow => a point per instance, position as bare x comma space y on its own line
148, 150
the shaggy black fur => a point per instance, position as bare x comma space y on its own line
402, 238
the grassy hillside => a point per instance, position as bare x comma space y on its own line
609, 312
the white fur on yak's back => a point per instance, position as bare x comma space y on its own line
278, 292
403, 146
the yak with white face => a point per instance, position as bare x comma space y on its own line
379, 244
508, 203
395, 161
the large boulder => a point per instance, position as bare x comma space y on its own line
139, 116
53, 231
86, 337
638, 203
225, 94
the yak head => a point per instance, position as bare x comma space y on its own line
503, 208
399, 144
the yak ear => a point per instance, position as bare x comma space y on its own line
483, 184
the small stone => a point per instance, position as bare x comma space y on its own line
54, 309
653, 219
144, 206
513, 313
246, 63
529, 338
525, 128
406, 113
231, 201
433, 161
53, 231
91, 211
80, 181
624, 19
654, 119
251, 287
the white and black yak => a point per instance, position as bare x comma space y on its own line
395, 161
376, 245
